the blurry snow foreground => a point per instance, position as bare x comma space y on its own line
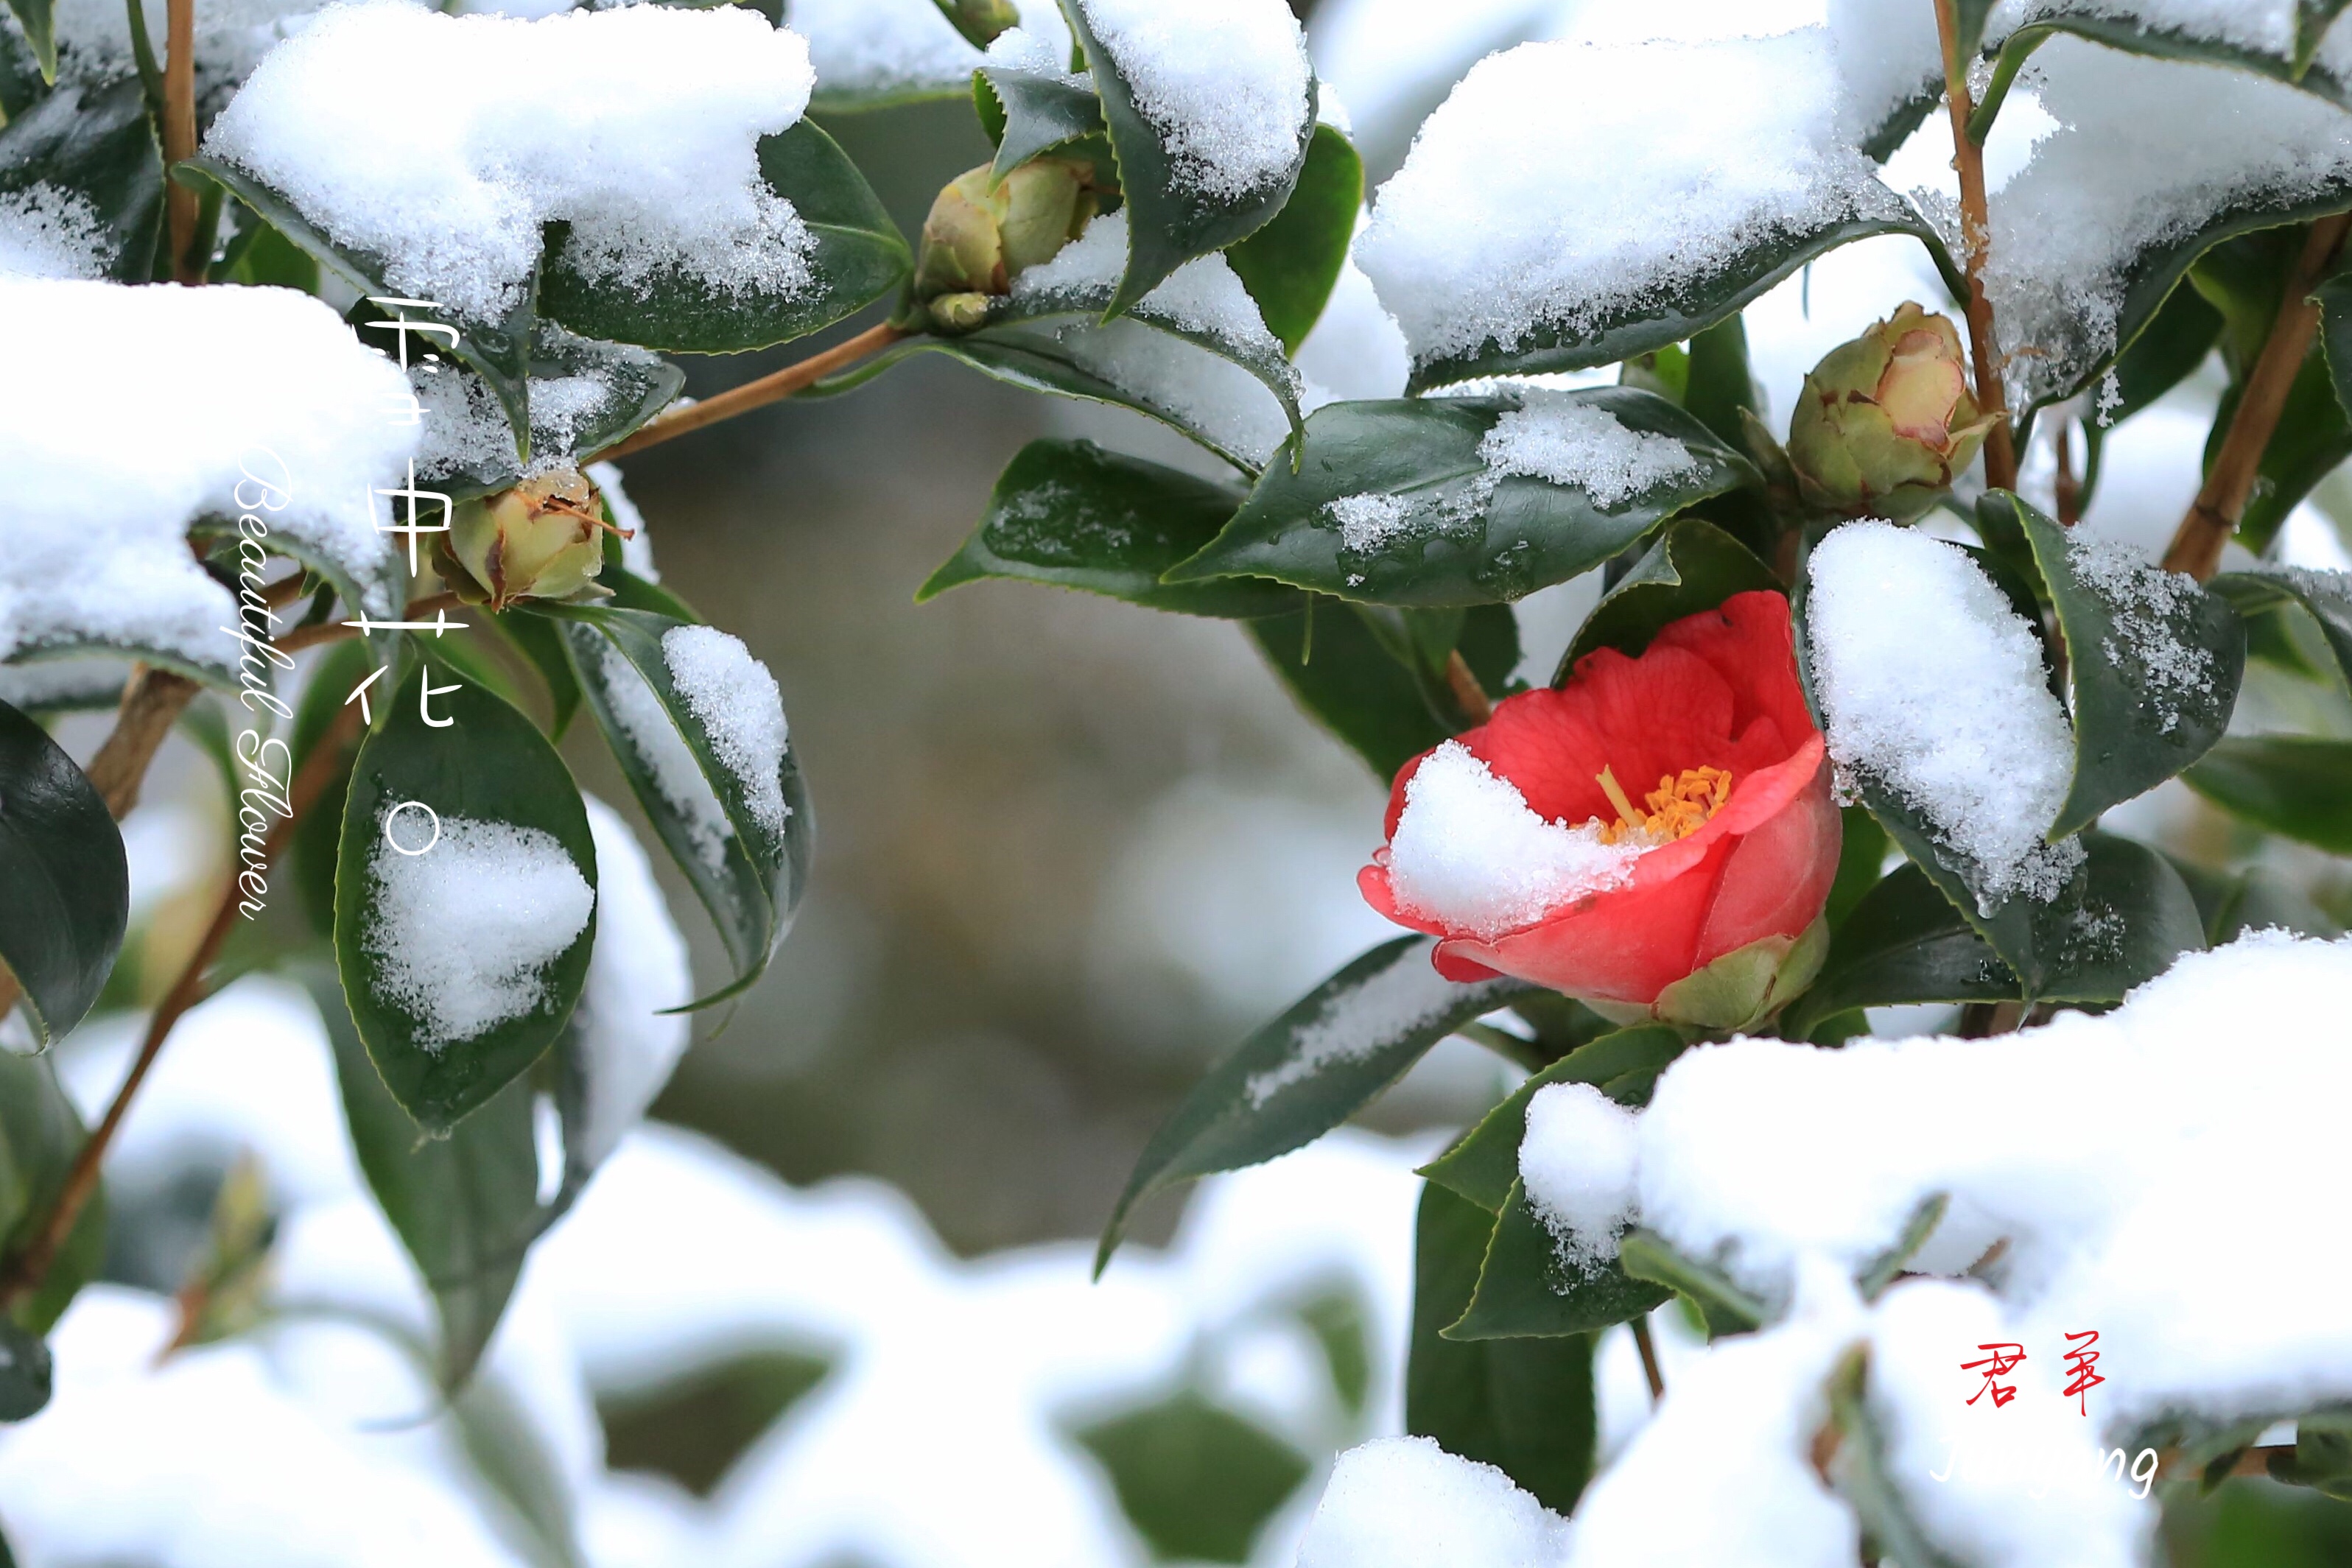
940, 1436
2095, 1153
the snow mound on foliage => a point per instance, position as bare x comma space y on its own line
47, 231
1204, 295
1404, 1502
640, 126
1555, 438
216, 403
1578, 1163
638, 712
1225, 82
628, 1042
742, 710
881, 49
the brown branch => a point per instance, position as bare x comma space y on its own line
768, 388
1649, 1350
1468, 695
1976, 234
152, 701
22, 1273
303, 637
2068, 487
2214, 517
180, 138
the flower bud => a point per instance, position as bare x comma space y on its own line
1885, 421
980, 21
538, 540
982, 233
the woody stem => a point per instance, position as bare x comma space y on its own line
180, 136
1975, 237
768, 388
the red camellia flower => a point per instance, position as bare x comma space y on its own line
1519, 847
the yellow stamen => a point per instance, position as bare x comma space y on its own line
1678, 806
1616, 793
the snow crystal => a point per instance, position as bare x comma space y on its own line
2144, 600
1933, 685
882, 46
1554, 437
1225, 82
2150, 151
2259, 26
1888, 51
742, 710
47, 231
200, 386
1587, 203
1204, 295
1196, 390
1357, 1023
63, 682
1469, 853
464, 932
1404, 1502
636, 543
640, 126
1367, 522
638, 712
1578, 1163
636, 969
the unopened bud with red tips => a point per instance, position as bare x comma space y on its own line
1886, 421
542, 539
982, 233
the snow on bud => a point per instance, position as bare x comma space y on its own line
982, 233
1885, 421
540, 540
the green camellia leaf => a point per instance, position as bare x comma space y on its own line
2155, 662
1170, 217
69, 885
38, 18
1524, 1406
856, 257
1863, 1468
628, 386
1196, 1480
1393, 502
1072, 514
1694, 567
2115, 25
25, 1377
490, 765
40, 1134
1340, 672
542, 647
1727, 1307
260, 256
94, 144
1027, 113
2327, 596
2295, 786
1905, 941
1623, 1065
1326, 1056
466, 1205
2311, 441
1289, 266
1526, 1288
2252, 900
749, 877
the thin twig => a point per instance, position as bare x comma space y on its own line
22, 1273
1642, 1342
2068, 487
1468, 695
1975, 233
303, 637
768, 388
2214, 516
180, 138
152, 702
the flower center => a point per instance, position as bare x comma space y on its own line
1678, 806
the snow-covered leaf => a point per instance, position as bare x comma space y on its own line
1728, 1309
2295, 786
1904, 943
1694, 567
583, 396
68, 885
874, 54
698, 728
1526, 1288
464, 896
1290, 265
1210, 107
40, 1133
2326, 595
1452, 501
38, 18
81, 184
1621, 1064
1072, 514
1309, 1070
1027, 113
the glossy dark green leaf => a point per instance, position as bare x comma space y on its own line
1861, 855
1725, 1306
464, 1206
2176, 340
1904, 943
40, 1134
490, 765
1289, 266
2295, 786
260, 256
1197, 1480
38, 18
1339, 671
93, 142
542, 647
1171, 217
1036, 112
1525, 1288
1720, 388
1458, 535
24, 1375
857, 257
1329, 1055
2312, 440
1485, 1163
2106, 22
748, 875
2155, 661
1679, 315
68, 882
1694, 566
2326, 596
1069, 513
1524, 1406
697, 1420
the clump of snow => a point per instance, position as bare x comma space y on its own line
1887, 53
1578, 1164
1404, 1502
466, 428
882, 46
1409, 994
1225, 82
638, 712
1195, 388
1204, 295
627, 1041
47, 231
636, 543
640, 126
1369, 521
206, 391
1587, 203
1355, 348
1469, 853
2145, 602
1554, 437
740, 709
463, 933
1932, 685
2150, 151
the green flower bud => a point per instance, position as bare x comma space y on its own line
538, 540
982, 233
963, 249
1885, 421
960, 312
980, 21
